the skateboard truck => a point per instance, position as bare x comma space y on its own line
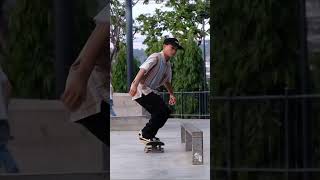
154, 147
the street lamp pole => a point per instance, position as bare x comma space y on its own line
204, 53
129, 42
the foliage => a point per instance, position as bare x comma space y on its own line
184, 17
119, 71
118, 26
29, 57
188, 77
255, 53
188, 67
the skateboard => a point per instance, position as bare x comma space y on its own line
154, 147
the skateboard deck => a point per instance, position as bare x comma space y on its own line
154, 147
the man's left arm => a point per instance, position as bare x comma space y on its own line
169, 88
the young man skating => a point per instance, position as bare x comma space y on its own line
155, 72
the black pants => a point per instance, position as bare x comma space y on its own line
159, 111
98, 124
4, 131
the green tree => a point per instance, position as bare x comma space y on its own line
118, 26
119, 70
187, 76
188, 67
29, 57
3, 26
184, 17
184, 21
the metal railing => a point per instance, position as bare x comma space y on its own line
295, 153
189, 104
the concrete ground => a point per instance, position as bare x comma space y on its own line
57, 176
128, 160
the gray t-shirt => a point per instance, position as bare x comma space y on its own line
98, 83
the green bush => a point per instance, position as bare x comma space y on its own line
29, 57
119, 71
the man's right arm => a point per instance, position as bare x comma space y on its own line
144, 68
75, 90
136, 81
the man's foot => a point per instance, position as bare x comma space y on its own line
146, 140
143, 139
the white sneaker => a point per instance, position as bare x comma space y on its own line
146, 140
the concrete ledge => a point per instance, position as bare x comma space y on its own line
123, 105
45, 140
128, 123
193, 137
58, 176
36, 104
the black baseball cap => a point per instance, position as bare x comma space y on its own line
173, 41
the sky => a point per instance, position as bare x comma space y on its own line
150, 8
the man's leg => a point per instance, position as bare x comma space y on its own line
7, 160
159, 111
98, 124
5, 156
111, 108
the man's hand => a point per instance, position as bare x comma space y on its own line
136, 81
75, 92
172, 100
133, 89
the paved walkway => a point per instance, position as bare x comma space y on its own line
128, 160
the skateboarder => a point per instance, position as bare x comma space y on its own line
87, 89
153, 73
6, 157
112, 113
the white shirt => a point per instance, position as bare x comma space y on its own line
158, 72
98, 83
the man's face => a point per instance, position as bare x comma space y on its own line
169, 50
